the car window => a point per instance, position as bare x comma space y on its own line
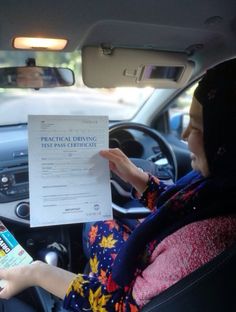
179, 111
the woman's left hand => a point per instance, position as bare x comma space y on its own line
121, 165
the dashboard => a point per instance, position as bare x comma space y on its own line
14, 181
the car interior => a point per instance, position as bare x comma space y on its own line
138, 62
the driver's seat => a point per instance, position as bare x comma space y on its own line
212, 287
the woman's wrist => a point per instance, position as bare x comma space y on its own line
51, 278
36, 272
140, 181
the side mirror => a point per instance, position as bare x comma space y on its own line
178, 123
35, 77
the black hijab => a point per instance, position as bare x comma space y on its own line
193, 197
216, 92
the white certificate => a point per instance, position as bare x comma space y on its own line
69, 181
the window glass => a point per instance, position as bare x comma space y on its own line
179, 111
116, 103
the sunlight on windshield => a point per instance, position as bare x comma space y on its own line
17, 104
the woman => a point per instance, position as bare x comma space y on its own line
191, 222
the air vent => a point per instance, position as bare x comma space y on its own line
20, 154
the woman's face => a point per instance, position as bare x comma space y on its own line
193, 134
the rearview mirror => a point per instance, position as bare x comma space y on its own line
35, 77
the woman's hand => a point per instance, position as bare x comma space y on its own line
121, 165
16, 279
53, 279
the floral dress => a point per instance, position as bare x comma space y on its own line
96, 291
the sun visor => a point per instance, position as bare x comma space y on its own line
120, 67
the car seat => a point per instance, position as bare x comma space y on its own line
212, 287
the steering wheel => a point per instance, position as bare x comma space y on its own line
163, 164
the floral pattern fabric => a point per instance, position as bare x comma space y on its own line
97, 291
91, 292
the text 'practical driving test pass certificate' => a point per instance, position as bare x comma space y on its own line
69, 181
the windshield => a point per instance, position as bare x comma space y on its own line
17, 104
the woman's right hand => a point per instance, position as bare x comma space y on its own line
16, 279
51, 278
121, 165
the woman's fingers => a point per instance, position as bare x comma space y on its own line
119, 163
114, 154
4, 289
3, 273
15, 280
